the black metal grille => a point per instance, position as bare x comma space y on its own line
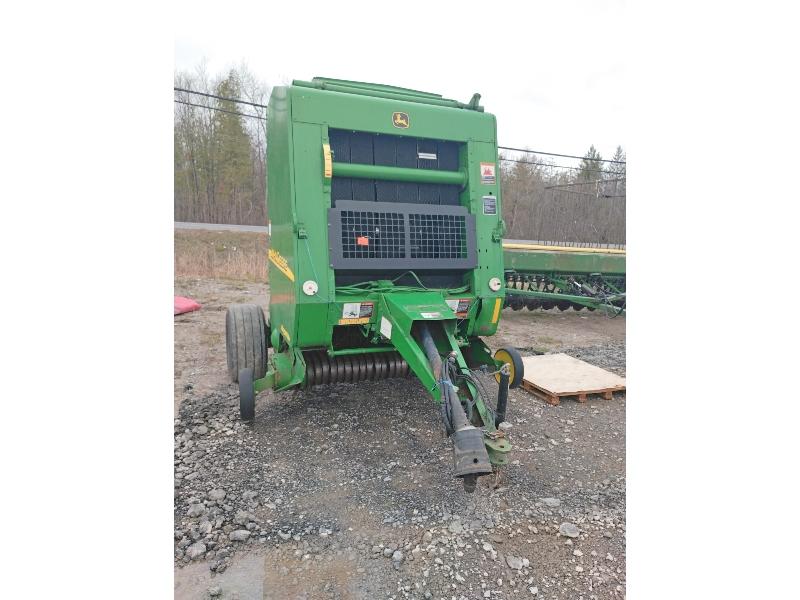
368, 234
438, 236
401, 236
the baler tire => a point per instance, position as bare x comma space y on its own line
247, 395
510, 355
246, 340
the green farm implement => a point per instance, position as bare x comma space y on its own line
563, 277
385, 257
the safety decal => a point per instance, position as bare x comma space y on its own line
487, 174
386, 328
276, 259
460, 306
356, 313
431, 315
328, 160
489, 205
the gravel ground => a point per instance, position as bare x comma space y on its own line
346, 491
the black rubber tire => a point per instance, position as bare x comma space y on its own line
246, 340
516, 362
247, 395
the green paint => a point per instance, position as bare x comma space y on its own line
299, 118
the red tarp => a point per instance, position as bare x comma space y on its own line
184, 305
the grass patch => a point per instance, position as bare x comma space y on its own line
237, 255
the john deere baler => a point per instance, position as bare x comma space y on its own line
385, 256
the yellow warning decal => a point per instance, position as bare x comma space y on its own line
276, 259
326, 155
360, 321
286, 334
496, 314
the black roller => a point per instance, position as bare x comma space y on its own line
322, 369
334, 369
370, 367
362, 367
326, 369
356, 362
375, 367
359, 367
311, 369
563, 305
318, 368
348, 369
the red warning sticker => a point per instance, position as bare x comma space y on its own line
487, 174
362, 241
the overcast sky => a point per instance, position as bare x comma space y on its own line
552, 72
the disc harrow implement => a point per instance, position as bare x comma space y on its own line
548, 278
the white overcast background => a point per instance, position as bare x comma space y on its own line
552, 73
707, 88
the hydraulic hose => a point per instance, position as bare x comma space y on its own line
470, 458
431, 352
456, 416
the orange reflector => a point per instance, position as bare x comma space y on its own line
362, 241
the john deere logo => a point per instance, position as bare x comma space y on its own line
400, 119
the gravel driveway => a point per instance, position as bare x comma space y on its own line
346, 491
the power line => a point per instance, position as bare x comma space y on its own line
560, 185
620, 162
219, 97
230, 112
238, 101
528, 162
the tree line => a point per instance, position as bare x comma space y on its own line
221, 175
585, 204
220, 156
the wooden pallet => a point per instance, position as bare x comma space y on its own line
555, 376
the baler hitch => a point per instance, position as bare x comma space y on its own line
470, 458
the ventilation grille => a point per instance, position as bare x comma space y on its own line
438, 236
401, 236
369, 234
